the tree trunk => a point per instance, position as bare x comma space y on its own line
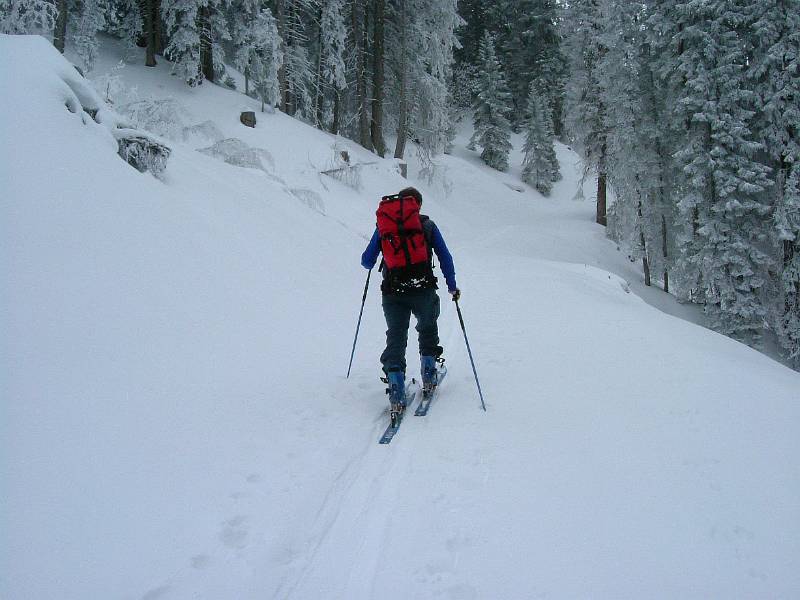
365, 115
378, 79
402, 116
790, 247
159, 41
280, 18
643, 242
291, 94
206, 55
601, 198
337, 109
319, 96
664, 252
359, 33
789, 250
60, 30
151, 17
402, 124
601, 187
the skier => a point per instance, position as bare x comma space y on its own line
407, 241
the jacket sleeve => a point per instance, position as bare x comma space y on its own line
445, 259
370, 255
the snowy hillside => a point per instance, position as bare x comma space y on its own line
176, 422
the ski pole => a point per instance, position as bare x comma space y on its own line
363, 300
474, 372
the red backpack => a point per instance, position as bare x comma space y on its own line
402, 240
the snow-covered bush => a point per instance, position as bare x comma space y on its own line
341, 169
205, 131
237, 153
111, 87
26, 16
162, 117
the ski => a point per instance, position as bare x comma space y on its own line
427, 398
396, 420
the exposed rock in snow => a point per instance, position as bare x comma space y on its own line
142, 152
248, 118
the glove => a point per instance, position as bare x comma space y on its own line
456, 294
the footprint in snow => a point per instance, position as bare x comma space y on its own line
234, 532
156, 593
461, 591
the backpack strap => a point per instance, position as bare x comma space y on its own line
427, 231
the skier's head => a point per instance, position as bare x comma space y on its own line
411, 191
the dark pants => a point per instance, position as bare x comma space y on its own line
397, 308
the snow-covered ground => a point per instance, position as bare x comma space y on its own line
176, 422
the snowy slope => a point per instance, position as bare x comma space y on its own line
176, 422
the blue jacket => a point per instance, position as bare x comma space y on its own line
370, 255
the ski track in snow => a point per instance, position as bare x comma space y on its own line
355, 509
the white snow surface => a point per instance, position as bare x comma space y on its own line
176, 422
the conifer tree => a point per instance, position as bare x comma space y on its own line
585, 118
258, 53
528, 47
492, 128
89, 18
434, 40
151, 27
539, 167
773, 33
632, 132
378, 75
332, 57
723, 197
125, 21
196, 31
297, 75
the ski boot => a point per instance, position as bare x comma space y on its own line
430, 373
397, 395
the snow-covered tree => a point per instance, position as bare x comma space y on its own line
26, 16
787, 217
258, 49
585, 118
540, 166
723, 200
634, 134
528, 46
492, 128
297, 73
434, 42
773, 34
196, 31
125, 21
88, 19
419, 69
267, 59
332, 58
